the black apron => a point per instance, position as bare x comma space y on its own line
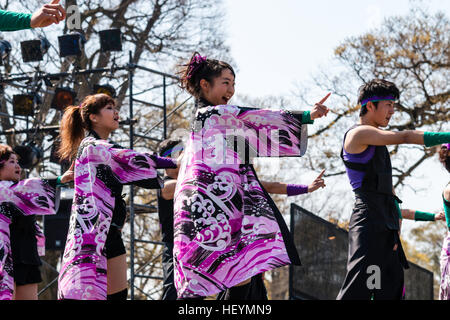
373, 232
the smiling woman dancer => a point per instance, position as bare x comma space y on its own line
227, 229
21, 199
94, 261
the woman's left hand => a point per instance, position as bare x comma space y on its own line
68, 175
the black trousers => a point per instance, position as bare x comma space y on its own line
254, 290
169, 291
374, 268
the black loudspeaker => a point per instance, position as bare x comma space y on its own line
56, 226
323, 250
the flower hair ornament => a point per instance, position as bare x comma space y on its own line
195, 63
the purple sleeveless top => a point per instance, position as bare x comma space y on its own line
356, 177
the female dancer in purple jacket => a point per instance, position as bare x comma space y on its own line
227, 229
94, 261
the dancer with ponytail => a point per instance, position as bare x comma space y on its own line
94, 260
227, 229
19, 270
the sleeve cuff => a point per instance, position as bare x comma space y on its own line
306, 118
434, 138
423, 216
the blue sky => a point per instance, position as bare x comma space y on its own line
276, 44
287, 40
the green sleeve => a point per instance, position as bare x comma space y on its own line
58, 181
306, 118
12, 21
423, 216
399, 211
435, 138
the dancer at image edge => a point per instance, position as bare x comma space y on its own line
19, 199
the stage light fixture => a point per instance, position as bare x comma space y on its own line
110, 40
106, 89
29, 155
63, 97
5, 50
23, 105
34, 50
71, 44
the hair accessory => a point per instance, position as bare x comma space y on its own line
196, 62
173, 152
446, 145
376, 98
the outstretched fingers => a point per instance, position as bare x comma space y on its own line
324, 98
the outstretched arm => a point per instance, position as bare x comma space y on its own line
12, 21
47, 15
43, 17
422, 215
294, 189
359, 138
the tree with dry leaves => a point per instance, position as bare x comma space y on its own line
413, 51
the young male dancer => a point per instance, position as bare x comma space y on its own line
375, 257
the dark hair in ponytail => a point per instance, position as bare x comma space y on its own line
444, 157
199, 68
76, 122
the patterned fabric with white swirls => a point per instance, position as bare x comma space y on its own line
444, 288
27, 197
100, 170
227, 228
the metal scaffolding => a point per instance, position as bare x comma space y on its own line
134, 136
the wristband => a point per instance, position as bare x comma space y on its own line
296, 189
397, 206
435, 138
306, 118
423, 216
162, 163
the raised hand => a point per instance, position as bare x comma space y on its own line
48, 14
317, 183
68, 175
439, 216
319, 109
